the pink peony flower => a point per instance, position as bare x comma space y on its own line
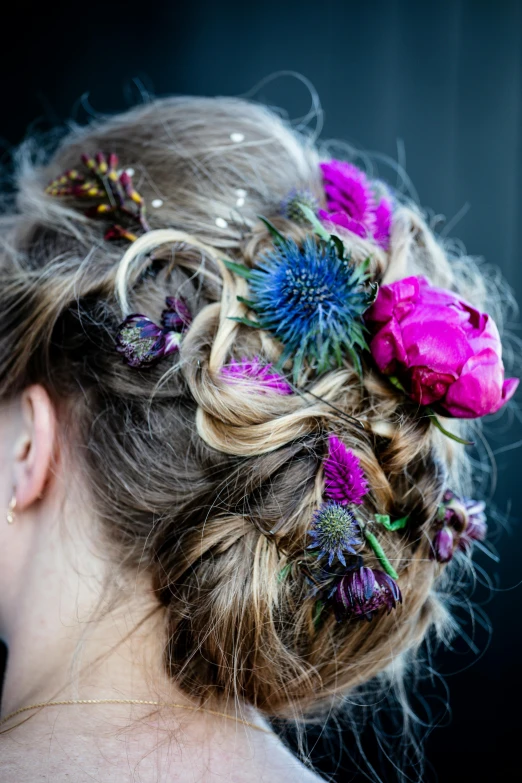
353, 204
444, 352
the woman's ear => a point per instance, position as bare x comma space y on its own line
34, 446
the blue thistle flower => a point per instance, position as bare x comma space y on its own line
334, 530
312, 298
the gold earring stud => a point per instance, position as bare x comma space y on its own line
11, 511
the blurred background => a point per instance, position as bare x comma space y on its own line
435, 86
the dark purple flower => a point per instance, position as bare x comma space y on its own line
254, 370
345, 481
177, 316
334, 530
442, 546
142, 343
365, 591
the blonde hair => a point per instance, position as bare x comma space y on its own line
209, 486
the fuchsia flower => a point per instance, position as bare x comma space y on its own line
352, 203
444, 352
345, 481
255, 370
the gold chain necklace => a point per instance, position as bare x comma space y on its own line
133, 701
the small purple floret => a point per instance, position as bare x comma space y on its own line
177, 316
253, 369
334, 531
363, 592
464, 521
442, 547
345, 481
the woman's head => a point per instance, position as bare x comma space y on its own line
204, 483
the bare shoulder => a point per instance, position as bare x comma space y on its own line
61, 756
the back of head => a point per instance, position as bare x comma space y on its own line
202, 482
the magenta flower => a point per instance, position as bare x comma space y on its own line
363, 592
345, 481
467, 517
254, 370
445, 353
352, 203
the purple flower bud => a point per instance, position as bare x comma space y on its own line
177, 316
142, 343
365, 591
442, 546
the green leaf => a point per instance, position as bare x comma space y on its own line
246, 302
278, 238
318, 610
239, 269
384, 520
396, 382
245, 322
283, 573
356, 361
436, 422
315, 222
380, 554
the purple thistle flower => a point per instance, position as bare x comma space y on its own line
352, 203
365, 591
254, 370
334, 530
345, 481
442, 546
177, 316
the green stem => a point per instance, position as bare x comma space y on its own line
434, 418
379, 551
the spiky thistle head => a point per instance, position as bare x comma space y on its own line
312, 299
334, 530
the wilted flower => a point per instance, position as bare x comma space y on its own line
334, 530
254, 370
445, 353
345, 481
354, 204
363, 592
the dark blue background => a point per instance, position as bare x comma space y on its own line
443, 81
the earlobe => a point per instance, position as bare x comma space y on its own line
34, 448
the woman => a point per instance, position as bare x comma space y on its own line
223, 505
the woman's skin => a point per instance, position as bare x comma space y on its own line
52, 579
